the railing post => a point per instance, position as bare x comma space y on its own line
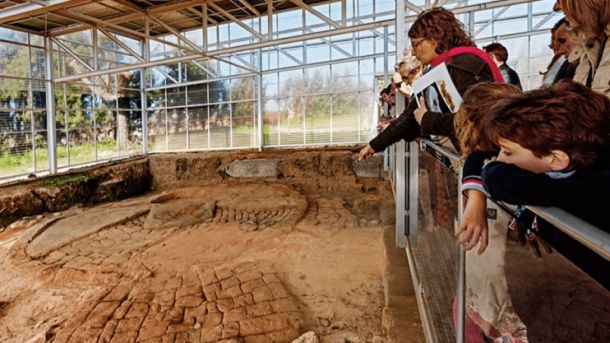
50, 94
386, 157
402, 176
461, 282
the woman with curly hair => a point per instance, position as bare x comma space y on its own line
437, 37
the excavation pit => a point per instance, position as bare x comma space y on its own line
206, 247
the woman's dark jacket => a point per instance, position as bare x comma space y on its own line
465, 70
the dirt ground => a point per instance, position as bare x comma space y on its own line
254, 261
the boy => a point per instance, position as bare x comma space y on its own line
554, 146
554, 151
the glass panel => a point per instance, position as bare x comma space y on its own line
345, 121
244, 124
317, 119
198, 127
176, 119
291, 121
317, 51
14, 94
112, 129
198, 94
220, 126
176, 97
218, 91
243, 89
157, 126
345, 76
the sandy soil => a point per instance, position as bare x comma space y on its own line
232, 262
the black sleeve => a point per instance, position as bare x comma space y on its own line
473, 165
471, 171
566, 71
509, 183
404, 127
463, 79
435, 123
515, 79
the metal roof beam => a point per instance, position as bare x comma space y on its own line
134, 15
72, 53
133, 53
235, 20
114, 27
30, 10
491, 20
413, 7
232, 50
250, 7
315, 12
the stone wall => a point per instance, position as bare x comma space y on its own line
195, 169
108, 182
316, 168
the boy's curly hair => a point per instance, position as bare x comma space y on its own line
567, 116
476, 103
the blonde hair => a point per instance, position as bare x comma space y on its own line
409, 60
476, 104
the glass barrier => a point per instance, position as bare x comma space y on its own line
553, 297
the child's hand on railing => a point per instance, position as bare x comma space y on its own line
473, 227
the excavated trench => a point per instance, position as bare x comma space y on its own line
206, 247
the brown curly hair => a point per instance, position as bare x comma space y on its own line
442, 26
567, 116
476, 104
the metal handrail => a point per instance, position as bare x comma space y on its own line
590, 236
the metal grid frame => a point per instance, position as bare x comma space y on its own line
240, 35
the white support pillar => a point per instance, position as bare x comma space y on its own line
386, 107
31, 105
143, 97
50, 93
269, 19
259, 106
93, 107
204, 25
402, 175
343, 13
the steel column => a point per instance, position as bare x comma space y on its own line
461, 282
31, 105
50, 94
402, 178
204, 26
269, 19
143, 96
93, 107
260, 101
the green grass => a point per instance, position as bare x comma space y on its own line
11, 164
311, 122
20, 163
64, 180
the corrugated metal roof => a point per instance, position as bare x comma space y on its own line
67, 15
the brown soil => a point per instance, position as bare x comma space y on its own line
236, 261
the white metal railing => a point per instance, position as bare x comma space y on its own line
590, 236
